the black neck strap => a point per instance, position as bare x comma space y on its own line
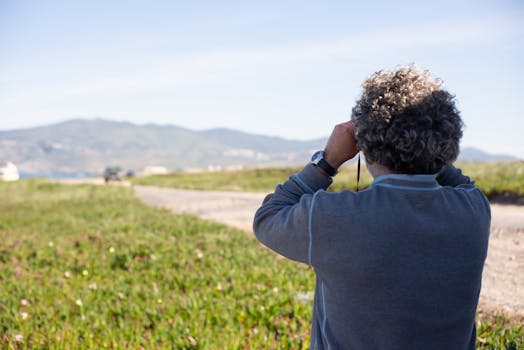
358, 170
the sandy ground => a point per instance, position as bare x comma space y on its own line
503, 278
233, 208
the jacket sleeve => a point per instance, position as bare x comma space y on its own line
453, 177
282, 223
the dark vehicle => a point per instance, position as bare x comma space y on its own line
112, 173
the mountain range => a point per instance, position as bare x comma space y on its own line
88, 146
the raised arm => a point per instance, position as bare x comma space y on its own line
282, 222
451, 176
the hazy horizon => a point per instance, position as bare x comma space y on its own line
462, 146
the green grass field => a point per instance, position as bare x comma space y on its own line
496, 180
90, 267
100, 270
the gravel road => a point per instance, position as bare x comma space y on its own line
503, 278
232, 208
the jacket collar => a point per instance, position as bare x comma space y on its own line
418, 181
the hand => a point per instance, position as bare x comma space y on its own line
342, 145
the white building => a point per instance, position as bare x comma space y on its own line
154, 170
8, 172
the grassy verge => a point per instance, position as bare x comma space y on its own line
252, 180
496, 330
87, 267
499, 181
91, 267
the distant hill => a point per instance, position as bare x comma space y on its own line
471, 154
88, 146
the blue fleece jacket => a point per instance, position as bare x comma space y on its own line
398, 265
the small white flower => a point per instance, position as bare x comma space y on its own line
304, 297
275, 290
121, 295
19, 338
24, 315
219, 286
192, 340
79, 302
85, 273
24, 302
200, 255
153, 257
67, 274
262, 308
112, 250
93, 286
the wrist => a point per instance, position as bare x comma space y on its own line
334, 163
319, 161
323, 172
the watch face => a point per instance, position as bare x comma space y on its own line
317, 157
318, 160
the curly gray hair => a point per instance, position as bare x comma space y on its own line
407, 122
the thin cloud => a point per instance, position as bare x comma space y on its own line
174, 73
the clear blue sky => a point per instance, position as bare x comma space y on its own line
286, 68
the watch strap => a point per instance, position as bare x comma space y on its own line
318, 160
324, 165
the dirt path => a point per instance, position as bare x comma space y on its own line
503, 278
233, 208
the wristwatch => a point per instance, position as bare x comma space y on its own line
318, 160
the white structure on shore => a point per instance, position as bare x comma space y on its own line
8, 172
154, 170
